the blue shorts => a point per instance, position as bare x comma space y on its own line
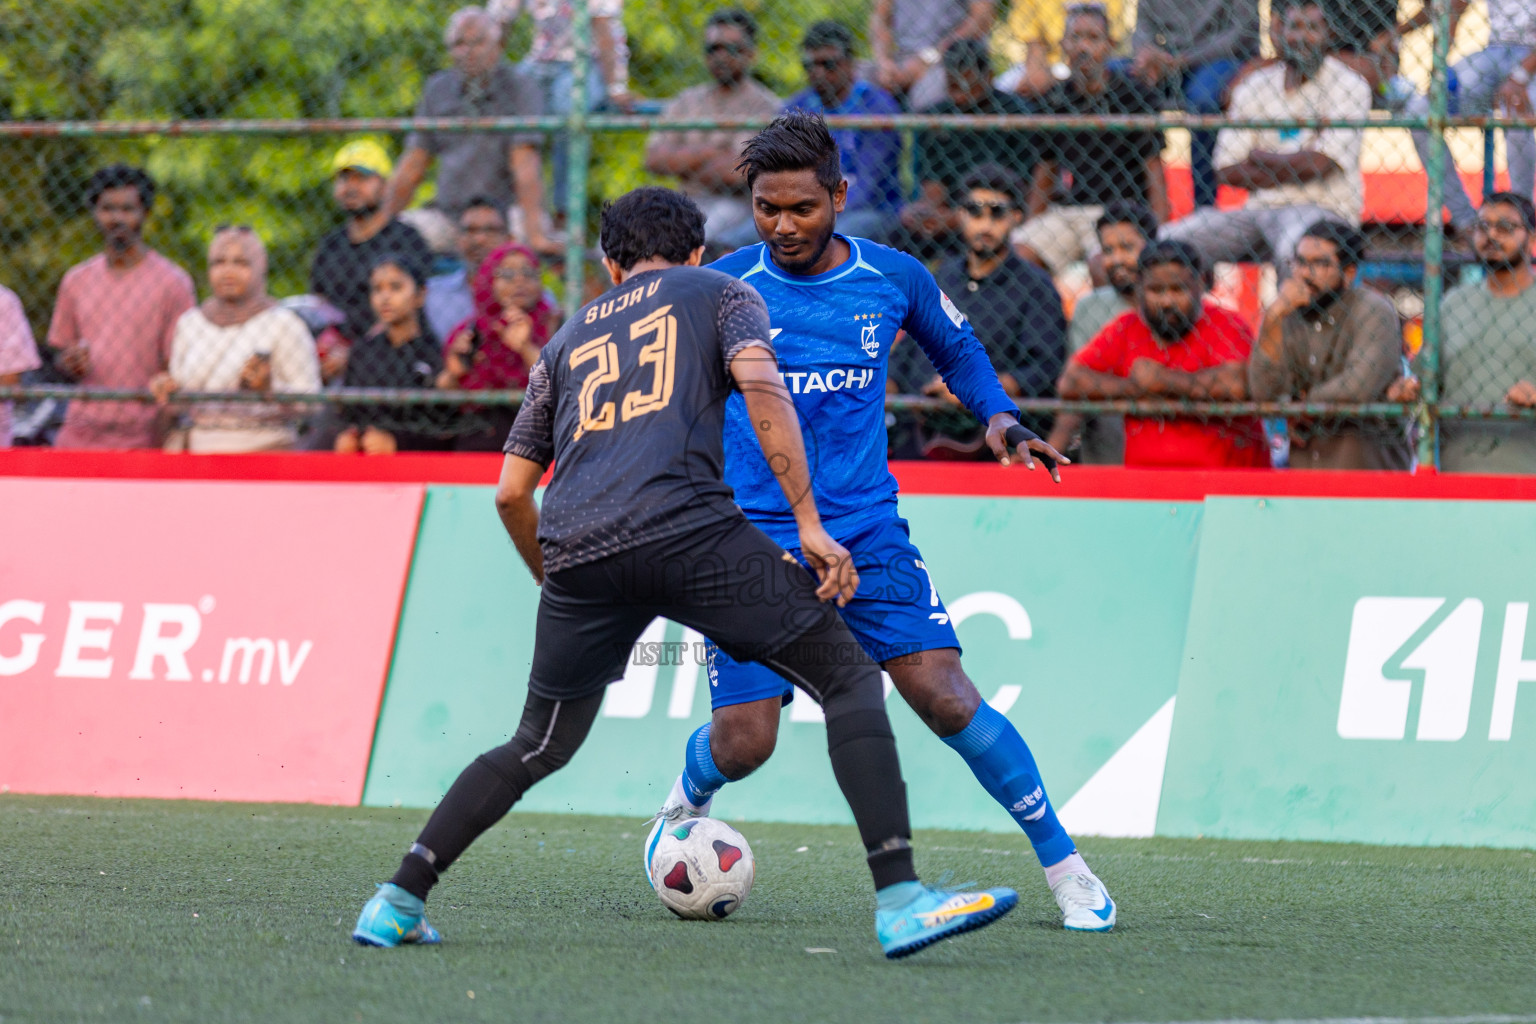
896, 611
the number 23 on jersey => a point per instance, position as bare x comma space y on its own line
660, 354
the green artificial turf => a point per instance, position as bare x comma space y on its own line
160, 911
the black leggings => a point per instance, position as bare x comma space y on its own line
826, 662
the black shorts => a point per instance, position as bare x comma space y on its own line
728, 581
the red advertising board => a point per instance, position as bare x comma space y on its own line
214, 640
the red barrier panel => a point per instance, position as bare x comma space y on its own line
967, 478
217, 640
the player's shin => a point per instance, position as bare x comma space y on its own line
548, 735
828, 664
1002, 763
863, 753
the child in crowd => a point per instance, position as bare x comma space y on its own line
495, 348
399, 352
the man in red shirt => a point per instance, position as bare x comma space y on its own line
1173, 346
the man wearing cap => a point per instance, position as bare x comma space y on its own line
500, 166
346, 255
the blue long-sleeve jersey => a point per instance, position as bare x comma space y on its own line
833, 334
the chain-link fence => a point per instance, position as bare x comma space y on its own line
276, 223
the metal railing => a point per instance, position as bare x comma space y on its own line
580, 128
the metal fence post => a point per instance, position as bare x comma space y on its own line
579, 154
1434, 239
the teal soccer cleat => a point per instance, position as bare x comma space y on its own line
935, 914
394, 917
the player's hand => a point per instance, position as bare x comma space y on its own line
346, 442
832, 563
1004, 431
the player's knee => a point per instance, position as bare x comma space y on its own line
951, 711
945, 698
742, 748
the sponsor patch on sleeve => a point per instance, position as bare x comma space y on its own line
956, 317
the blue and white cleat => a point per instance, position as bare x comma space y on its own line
936, 914
676, 809
1085, 903
394, 917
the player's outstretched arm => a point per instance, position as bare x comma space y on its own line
519, 514
773, 416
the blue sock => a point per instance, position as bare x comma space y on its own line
1002, 763
701, 779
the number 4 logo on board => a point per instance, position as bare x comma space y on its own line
1373, 706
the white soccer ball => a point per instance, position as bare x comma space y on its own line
701, 869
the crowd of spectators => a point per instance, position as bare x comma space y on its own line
450, 294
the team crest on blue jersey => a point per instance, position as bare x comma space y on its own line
868, 340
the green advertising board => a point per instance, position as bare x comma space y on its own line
1072, 616
1360, 671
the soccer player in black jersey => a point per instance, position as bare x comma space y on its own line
628, 402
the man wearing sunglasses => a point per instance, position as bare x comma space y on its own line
1488, 357
871, 159
1012, 305
704, 162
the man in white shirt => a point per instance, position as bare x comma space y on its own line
1500, 80
1294, 176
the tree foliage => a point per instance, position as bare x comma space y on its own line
191, 59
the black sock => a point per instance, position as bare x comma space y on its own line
415, 875
893, 864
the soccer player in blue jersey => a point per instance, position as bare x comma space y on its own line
836, 304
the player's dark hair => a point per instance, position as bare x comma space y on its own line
737, 17
796, 141
121, 176
829, 33
651, 222
1123, 211
1348, 241
997, 178
1519, 202
486, 203
1170, 251
409, 267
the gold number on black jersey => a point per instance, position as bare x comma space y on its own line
660, 354
606, 354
